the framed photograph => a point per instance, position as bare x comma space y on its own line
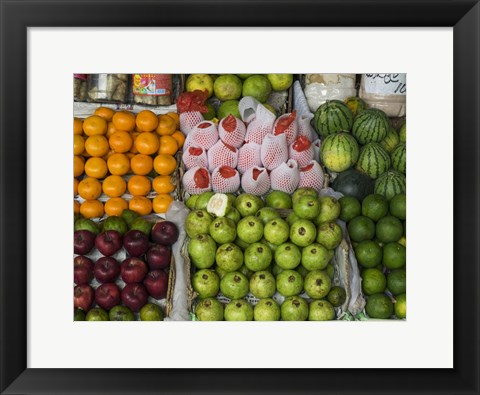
436, 44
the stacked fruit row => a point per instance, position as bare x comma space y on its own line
122, 266
124, 160
259, 265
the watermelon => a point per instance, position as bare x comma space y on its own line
373, 160
333, 116
371, 126
399, 158
356, 105
339, 152
390, 184
391, 140
403, 133
353, 183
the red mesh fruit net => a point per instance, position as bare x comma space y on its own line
301, 150
316, 149
256, 181
274, 151
205, 135
232, 131
249, 156
304, 126
222, 154
225, 179
192, 101
188, 120
287, 124
260, 126
285, 177
194, 156
311, 176
197, 180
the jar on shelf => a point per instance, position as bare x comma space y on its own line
152, 89
80, 87
107, 88
322, 87
386, 92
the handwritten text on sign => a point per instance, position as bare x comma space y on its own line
386, 84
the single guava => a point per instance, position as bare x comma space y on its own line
321, 310
278, 199
304, 191
289, 283
280, 82
316, 257
276, 231
244, 76
250, 229
223, 230
205, 283
294, 308
234, 215
257, 86
197, 222
303, 232
234, 285
337, 296
209, 310
202, 249
114, 222
291, 218
97, 314
331, 271
219, 205
307, 207
266, 310
238, 310
151, 312
248, 204
227, 87
257, 257
317, 284
288, 256
191, 202
330, 210
329, 234
229, 257
121, 313
246, 271
267, 213
262, 284
203, 199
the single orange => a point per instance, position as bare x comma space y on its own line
163, 184
96, 167
94, 125
104, 112
141, 164
139, 185
97, 145
89, 188
76, 207
166, 125
78, 144
118, 164
161, 203
147, 143
91, 209
168, 145
75, 187
114, 186
120, 141
146, 121
175, 117
115, 206
124, 120
164, 165
77, 126
141, 205
180, 137
78, 165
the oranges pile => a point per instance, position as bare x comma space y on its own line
110, 145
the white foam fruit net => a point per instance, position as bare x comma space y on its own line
205, 135
316, 144
256, 181
285, 177
232, 131
188, 120
248, 108
301, 150
222, 154
260, 126
312, 176
274, 151
249, 156
195, 156
197, 180
304, 126
287, 124
225, 179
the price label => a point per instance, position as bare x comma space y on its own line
385, 84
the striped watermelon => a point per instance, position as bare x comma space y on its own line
339, 152
356, 105
390, 184
403, 133
333, 116
391, 140
371, 126
399, 158
373, 160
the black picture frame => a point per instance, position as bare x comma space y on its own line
17, 15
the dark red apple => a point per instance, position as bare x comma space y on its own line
83, 241
156, 283
107, 295
108, 242
135, 242
82, 270
134, 296
158, 256
165, 232
106, 269
133, 270
83, 297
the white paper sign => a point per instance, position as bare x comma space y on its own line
385, 84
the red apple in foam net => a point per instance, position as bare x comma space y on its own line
107, 295
133, 270
108, 242
135, 242
83, 297
83, 241
196, 180
134, 296
158, 256
106, 269
165, 232
156, 283
225, 179
82, 270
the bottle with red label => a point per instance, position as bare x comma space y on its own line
152, 89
